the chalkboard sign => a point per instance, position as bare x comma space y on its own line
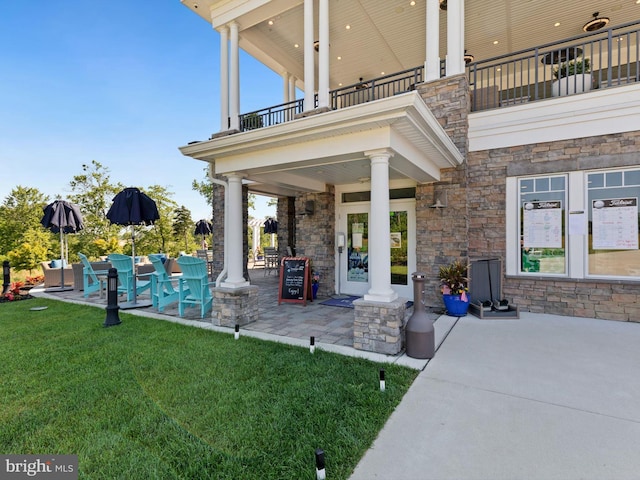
295, 280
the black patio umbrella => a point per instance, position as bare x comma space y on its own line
62, 217
203, 227
132, 207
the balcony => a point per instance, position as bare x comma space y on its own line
517, 78
530, 75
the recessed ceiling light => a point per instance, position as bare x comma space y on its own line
557, 24
339, 58
495, 42
498, 69
340, 84
381, 73
296, 45
348, 27
270, 22
412, 3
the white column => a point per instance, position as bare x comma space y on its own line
224, 78
432, 59
455, 37
285, 87
323, 54
309, 64
380, 230
234, 79
256, 238
286, 94
292, 88
235, 278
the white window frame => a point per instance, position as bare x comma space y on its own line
576, 245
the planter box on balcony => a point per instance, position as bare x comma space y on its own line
571, 84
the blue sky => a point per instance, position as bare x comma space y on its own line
122, 82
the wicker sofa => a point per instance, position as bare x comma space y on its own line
52, 275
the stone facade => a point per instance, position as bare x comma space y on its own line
379, 327
235, 306
442, 233
286, 214
316, 235
487, 173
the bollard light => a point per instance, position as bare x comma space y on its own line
6, 273
321, 474
312, 344
236, 334
113, 318
382, 381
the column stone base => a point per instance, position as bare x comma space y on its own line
379, 326
233, 306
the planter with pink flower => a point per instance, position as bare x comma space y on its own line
454, 285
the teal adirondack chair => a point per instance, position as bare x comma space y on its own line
90, 280
194, 287
124, 266
163, 290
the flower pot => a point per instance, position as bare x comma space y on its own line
314, 289
571, 84
456, 307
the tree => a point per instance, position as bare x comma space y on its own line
183, 225
33, 250
93, 193
159, 237
205, 188
20, 214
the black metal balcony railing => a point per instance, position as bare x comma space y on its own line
355, 94
613, 57
610, 57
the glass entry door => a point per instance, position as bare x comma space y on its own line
355, 259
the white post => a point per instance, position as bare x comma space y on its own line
292, 88
234, 80
432, 59
285, 87
380, 230
309, 64
323, 54
286, 94
224, 78
235, 278
455, 37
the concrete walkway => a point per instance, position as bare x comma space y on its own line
543, 397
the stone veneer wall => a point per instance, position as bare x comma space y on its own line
286, 213
217, 244
615, 300
442, 233
315, 236
379, 327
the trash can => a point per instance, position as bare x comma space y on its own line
420, 335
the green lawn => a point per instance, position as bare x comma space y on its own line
152, 399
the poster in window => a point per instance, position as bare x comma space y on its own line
542, 224
396, 239
615, 224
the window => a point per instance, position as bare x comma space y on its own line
612, 205
542, 202
577, 225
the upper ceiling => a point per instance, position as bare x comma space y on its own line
368, 37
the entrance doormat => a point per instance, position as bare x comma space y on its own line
346, 302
